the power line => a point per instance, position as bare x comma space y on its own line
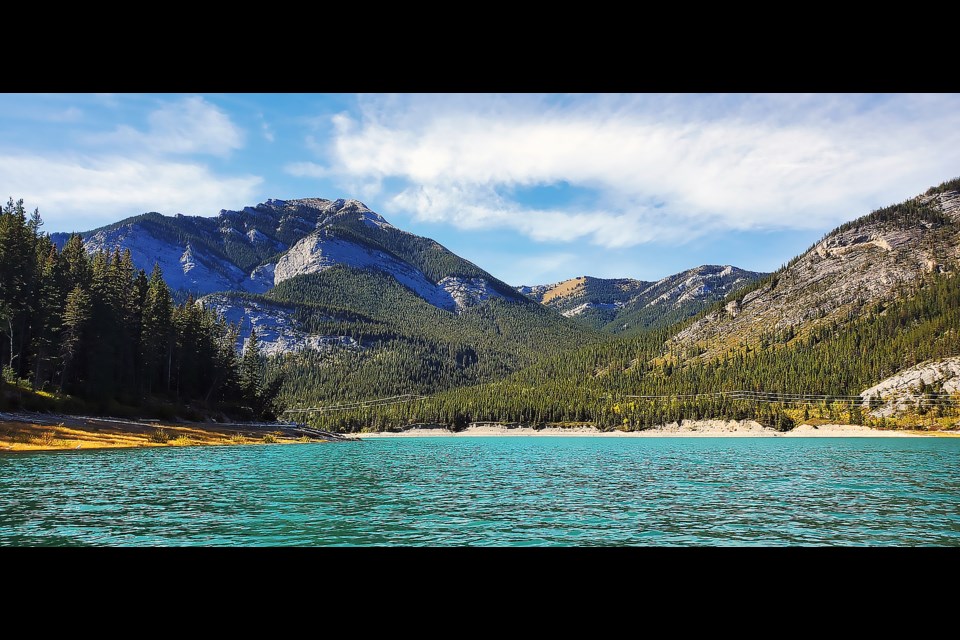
360, 404
805, 398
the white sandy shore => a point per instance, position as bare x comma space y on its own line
685, 429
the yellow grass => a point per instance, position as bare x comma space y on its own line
17, 436
564, 288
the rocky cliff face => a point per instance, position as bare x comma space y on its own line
860, 263
231, 251
901, 392
277, 329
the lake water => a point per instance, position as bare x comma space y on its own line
492, 491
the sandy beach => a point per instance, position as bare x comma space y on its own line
71, 433
685, 429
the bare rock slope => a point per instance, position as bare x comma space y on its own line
860, 263
903, 390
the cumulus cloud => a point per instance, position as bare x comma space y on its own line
663, 167
100, 190
126, 171
190, 125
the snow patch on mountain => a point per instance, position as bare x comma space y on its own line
261, 278
698, 284
326, 211
187, 262
534, 291
277, 331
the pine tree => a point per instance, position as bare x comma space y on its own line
76, 324
16, 274
77, 269
47, 313
250, 367
156, 348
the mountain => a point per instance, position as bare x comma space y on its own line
868, 312
259, 247
355, 307
871, 260
622, 304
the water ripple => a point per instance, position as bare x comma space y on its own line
491, 491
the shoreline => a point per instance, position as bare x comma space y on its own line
42, 432
686, 429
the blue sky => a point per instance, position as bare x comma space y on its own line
533, 188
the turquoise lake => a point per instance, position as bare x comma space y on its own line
509, 491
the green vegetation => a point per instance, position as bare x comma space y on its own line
98, 330
652, 317
431, 258
95, 329
907, 213
406, 344
591, 384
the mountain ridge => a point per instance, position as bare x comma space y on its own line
615, 305
864, 262
258, 247
349, 305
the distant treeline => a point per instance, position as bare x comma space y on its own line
592, 383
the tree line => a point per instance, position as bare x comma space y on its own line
592, 384
96, 328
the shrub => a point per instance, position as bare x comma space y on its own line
49, 439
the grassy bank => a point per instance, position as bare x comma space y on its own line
72, 433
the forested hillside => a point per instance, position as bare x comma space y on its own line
843, 349
592, 384
861, 263
354, 309
406, 345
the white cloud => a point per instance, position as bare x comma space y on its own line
265, 129
190, 125
306, 170
78, 193
663, 167
128, 171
